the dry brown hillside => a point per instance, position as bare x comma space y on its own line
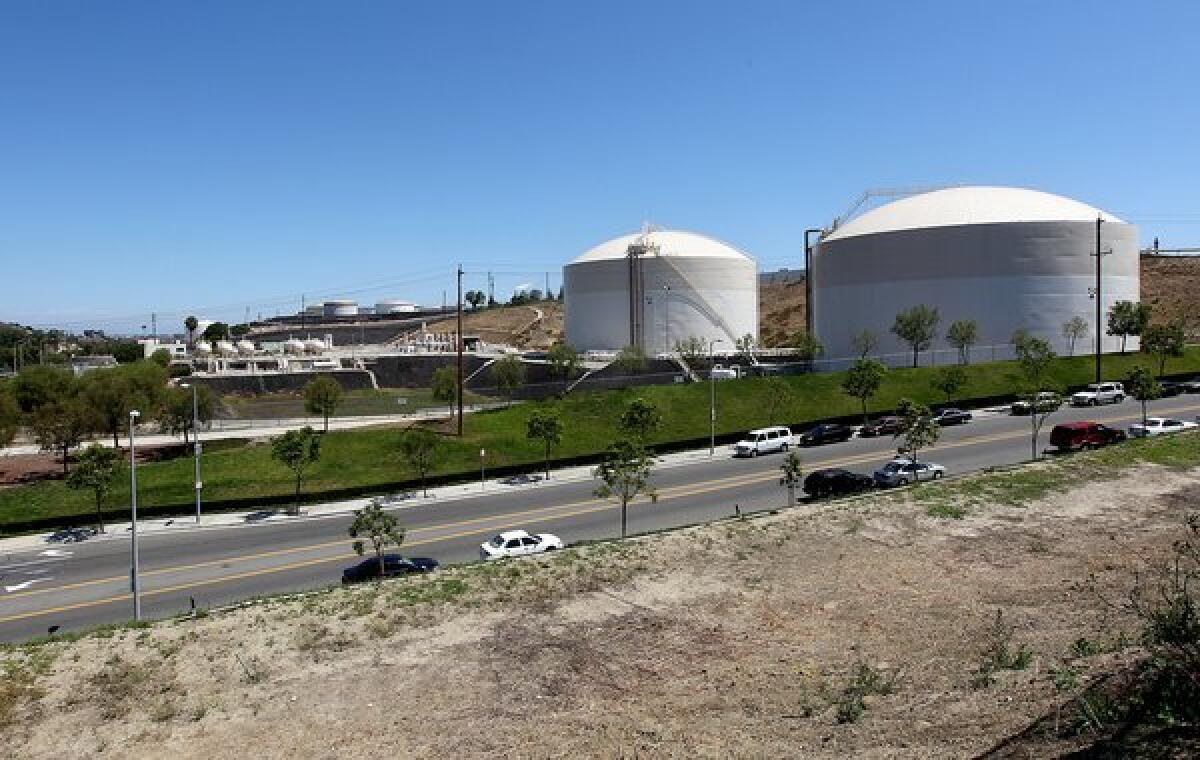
1170, 284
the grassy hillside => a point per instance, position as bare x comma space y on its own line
370, 458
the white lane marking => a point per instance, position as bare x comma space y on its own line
55, 553
25, 585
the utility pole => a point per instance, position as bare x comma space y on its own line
154, 325
546, 295
460, 353
134, 584
1099, 254
491, 289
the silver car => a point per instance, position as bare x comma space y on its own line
902, 471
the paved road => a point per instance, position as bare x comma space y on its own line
81, 585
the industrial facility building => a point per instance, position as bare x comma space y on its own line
655, 288
1008, 258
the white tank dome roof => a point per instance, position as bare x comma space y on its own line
669, 242
957, 206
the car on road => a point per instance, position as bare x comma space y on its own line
71, 535
763, 441
826, 433
1160, 426
1046, 401
951, 417
1070, 436
835, 481
889, 425
1167, 388
1099, 393
519, 543
1191, 386
393, 565
901, 471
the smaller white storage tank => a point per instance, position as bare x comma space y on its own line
246, 348
314, 346
341, 308
202, 348
226, 348
395, 306
293, 346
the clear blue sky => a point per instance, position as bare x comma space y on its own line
209, 157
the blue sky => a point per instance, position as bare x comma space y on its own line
213, 157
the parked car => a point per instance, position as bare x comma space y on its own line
1191, 386
901, 471
1083, 435
721, 372
882, 426
1160, 426
1046, 401
519, 543
951, 417
835, 481
826, 433
1168, 388
70, 535
393, 565
1099, 393
763, 441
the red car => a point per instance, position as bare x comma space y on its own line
1084, 435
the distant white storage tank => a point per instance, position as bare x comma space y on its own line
395, 306
202, 348
226, 348
341, 308
1008, 258
293, 346
658, 287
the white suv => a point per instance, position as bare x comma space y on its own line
1099, 393
763, 441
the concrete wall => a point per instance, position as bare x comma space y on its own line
291, 382
709, 298
1033, 275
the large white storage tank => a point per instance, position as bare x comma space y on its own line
658, 287
395, 306
1009, 258
340, 308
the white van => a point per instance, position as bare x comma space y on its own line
763, 441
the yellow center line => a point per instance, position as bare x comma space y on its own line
575, 509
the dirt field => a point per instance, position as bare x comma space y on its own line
852, 630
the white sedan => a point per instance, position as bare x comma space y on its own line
901, 471
1160, 426
519, 543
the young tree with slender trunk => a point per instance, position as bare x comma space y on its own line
545, 425
949, 380
1142, 385
421, 448
917, 327
963, 334
864, 342
919, 431
509, 374
1073, 329
793, 474
322, 396
1034, 356
444, 386
625, 473
862, 381
564, 361
640, 419
10, 418
776, 395
377, 526
96, 470
61, 426
297, 450
1164, 342
1127, 318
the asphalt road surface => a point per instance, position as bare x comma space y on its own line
86, 584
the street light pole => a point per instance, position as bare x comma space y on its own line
1099, 307
712, 400
133, 545
195, 443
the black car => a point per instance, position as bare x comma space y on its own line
393, 565
835, 482
951, 417
826, 433
882, 426
1168, 388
